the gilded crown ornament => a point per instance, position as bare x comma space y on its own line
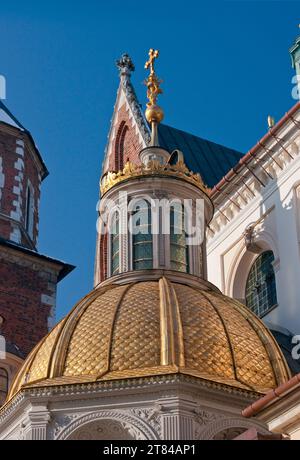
153, 168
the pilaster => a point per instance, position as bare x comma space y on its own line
36, 423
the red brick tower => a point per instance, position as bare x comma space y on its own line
28, 279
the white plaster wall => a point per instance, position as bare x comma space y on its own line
278, 207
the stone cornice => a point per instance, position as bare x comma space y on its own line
28, 258
262, 173
115, 387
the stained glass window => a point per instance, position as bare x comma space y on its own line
115, 245
261, 285
142, 237
3, 385
179, 250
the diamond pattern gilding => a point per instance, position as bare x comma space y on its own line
205, 341
89, 346
118, 336
136, 336
252, 362
39, 367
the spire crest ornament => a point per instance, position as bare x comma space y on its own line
154, 113
125, 65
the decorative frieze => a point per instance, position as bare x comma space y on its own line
260, 175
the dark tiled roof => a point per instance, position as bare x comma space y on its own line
8, 118
14, 350
211, 160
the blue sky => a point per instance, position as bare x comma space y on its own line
225, 66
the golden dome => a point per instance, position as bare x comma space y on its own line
167, 324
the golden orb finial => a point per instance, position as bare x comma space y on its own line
154, 113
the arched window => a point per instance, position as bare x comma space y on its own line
115, 244
142, 241
119, 146
179, 251
261, 285
3, 385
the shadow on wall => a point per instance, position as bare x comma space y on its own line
278, 225
286, 210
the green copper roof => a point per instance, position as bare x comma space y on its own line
211, 160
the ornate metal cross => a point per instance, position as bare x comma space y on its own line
153, 54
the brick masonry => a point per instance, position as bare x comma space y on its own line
27, 298
126, 142
126, 145
18, 171
27, 282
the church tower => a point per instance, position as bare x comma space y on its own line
154, 351
128, 161
28, 279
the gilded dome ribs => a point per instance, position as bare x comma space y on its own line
89, 347
167, 353
279, 367
214, 306
136, 337
64, 339
164, 324
179, 350
111, 333
20, 378
171, 333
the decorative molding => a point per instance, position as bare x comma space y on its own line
137, 427
203, 418
60, 422
114, 386
153, 168
238, 194
151, 416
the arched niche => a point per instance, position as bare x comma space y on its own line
243, 261
108, 425
107, 430
230, 428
